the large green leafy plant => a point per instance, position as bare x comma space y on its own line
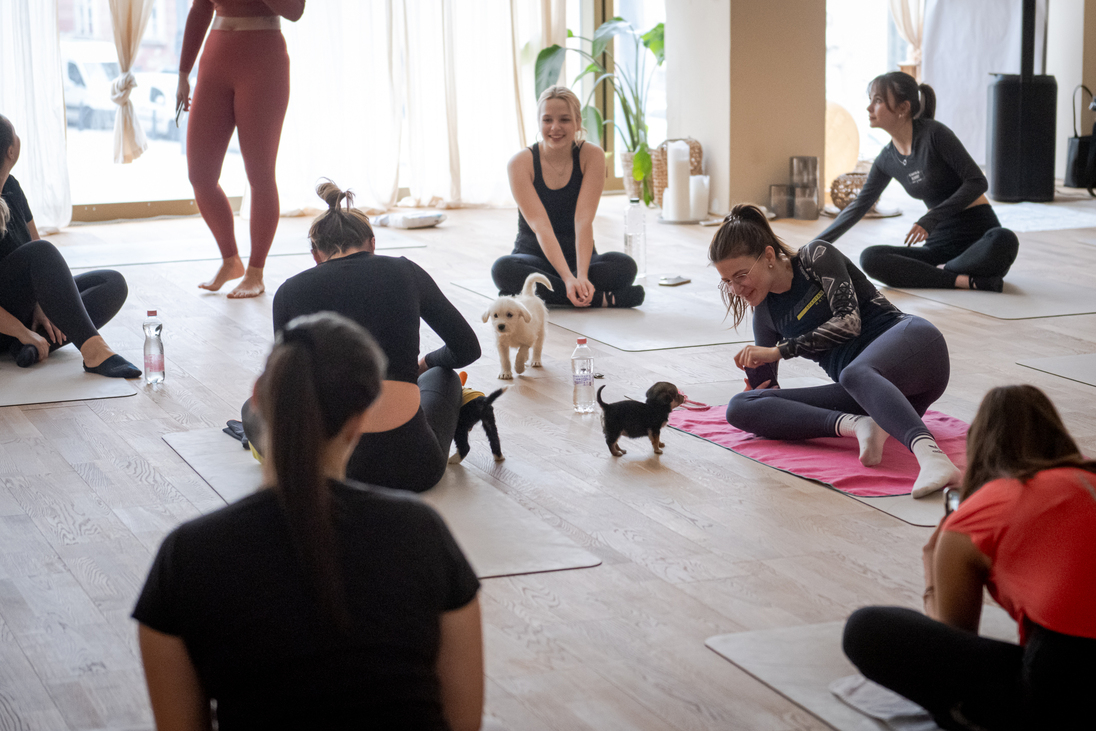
630, 84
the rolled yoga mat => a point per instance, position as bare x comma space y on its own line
60, 377
834, 462
802, 663
499, 537
686, 316
1080, 368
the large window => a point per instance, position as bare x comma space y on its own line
643, 15
91, 64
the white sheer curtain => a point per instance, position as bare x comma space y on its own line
32, 97
909, 19
437, 89
129, 19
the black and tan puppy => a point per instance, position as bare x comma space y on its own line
477, 408
634, 419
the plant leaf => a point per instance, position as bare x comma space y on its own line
594, 68
641, 164
549, 64
605, 32
592, 121
655, 39
570, 34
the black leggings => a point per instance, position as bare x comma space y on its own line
971, 243
36, 273
608, 272
894, 381
956, 675
410, 457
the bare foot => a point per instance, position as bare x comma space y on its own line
231, 268
95, 351
252, 286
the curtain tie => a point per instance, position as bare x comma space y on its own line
121, 88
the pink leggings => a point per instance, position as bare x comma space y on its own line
243, 82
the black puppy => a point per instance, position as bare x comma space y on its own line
478, 409
634, 419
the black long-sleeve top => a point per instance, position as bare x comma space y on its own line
830, 314
938, 170
387, 296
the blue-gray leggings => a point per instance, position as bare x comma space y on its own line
894, 381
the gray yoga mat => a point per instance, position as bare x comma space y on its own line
499, 537
1080, 368
1026, 297
926, 511
98, 256
60, 377
686, 316
801, 662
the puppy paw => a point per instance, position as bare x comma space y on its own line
506, 376
659, 451
499, 458
519, 367
660, 445
534, 364
456, 459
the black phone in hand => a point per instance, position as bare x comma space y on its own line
758, 376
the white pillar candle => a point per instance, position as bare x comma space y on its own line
675, 199
698, 197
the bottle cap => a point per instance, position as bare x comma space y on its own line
152, 313
582, 341
633, 200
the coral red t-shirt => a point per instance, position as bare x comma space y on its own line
1041, 539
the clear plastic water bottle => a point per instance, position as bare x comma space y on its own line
582, 370
154, 349
635, 234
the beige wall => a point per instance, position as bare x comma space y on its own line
698, 82
1071, 59
748, 79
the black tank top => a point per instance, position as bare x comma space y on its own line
560, 205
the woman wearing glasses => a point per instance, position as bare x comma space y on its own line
888, 367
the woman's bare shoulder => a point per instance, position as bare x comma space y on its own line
523, 160
589, 151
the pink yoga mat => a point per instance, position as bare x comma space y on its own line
833, 461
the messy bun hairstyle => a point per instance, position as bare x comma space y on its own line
341, 227
745, 232
898, 86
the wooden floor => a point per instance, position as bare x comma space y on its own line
696, 543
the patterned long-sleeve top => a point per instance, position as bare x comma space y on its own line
830, 314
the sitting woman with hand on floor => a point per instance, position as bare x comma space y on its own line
557, 184
315, 602
960, 230
42, 306
1024, 531
888, 367
407, 439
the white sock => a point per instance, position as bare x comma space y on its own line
937, 471
870, 435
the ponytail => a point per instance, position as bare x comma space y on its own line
341, 227
7, 139
928, 110
898, 86
323, 371
745, 232
5, 215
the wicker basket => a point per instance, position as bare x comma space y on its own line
845, 188
660, 173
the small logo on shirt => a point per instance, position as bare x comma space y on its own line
916, 176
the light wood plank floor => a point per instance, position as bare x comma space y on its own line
695, 543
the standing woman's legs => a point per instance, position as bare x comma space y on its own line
209, 130
262, 96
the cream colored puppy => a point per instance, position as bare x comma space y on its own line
519, 322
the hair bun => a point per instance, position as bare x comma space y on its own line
332, 194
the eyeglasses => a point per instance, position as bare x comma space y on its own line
739, 279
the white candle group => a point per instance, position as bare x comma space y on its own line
675, 199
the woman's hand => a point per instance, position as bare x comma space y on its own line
580, 291
182, 93
32, 338
39, 321
753, 356
423, 368
916, 235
